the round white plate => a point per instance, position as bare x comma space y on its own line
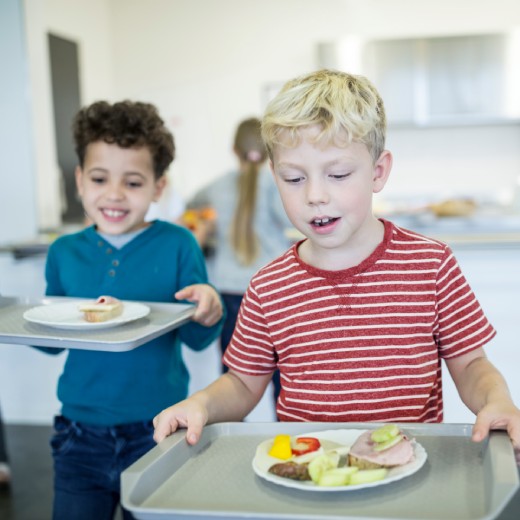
68, 316
263, 461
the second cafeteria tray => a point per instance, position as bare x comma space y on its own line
14, 329
215, 479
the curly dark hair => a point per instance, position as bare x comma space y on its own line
127, 124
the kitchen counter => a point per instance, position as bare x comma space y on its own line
494, 231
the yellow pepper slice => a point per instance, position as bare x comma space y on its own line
281, 448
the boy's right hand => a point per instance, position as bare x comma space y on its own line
188, 414
229, 398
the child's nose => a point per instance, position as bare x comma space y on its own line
115, 192
317, 192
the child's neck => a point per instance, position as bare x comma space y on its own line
119, 241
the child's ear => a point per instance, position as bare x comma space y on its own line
382, 170
160, 184
78, 173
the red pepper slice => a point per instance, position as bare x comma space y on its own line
305, 445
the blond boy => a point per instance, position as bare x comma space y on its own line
359, 315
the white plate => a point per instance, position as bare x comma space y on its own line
263, 461
68, 316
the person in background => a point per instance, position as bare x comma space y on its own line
5, 471
169, 207
358, 315
109, 399
246, 227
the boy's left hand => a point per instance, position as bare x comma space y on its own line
499, 416
209, 307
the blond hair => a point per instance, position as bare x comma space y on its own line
251, 151
346, 107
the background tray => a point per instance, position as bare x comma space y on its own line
14, 329
460, 479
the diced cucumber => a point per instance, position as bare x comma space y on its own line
337, 476
365, 476
385, 433
322, 463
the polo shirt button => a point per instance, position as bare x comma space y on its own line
109, 251
115, 263
100, 243
112, 272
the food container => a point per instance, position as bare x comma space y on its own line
214, 479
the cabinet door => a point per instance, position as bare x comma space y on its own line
442, 80
494, 276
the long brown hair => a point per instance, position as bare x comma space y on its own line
252, 153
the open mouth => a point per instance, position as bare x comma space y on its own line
322, 222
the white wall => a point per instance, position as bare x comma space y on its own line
207, 64
17, 194
87, 23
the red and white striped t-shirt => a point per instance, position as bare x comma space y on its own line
365, 343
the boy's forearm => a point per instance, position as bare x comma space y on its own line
481, 384
226, 399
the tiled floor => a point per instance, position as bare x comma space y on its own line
30, 497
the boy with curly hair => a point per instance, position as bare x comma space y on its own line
109, 399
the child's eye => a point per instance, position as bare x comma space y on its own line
134, 184
294, 180
97, 180
339, 176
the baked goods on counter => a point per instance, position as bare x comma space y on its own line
454, 207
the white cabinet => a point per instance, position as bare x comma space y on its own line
28, 377
441, 80
494, 275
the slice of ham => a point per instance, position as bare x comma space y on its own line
107, 300
397, 455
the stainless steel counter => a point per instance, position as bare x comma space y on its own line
494, 231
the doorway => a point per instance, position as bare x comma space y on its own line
66, 102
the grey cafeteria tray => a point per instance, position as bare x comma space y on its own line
215, 479
14, 329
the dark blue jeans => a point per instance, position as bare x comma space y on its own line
88, 461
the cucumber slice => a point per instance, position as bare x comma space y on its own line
321, 464
366, 476
381, 446
336, 476
385, 433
